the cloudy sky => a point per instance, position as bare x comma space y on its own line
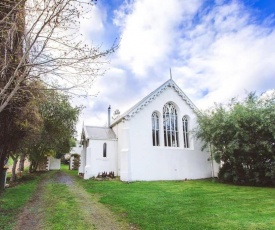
216, 49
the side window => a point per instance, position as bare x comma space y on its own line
185, 127
155, 129
170, 125
104, 150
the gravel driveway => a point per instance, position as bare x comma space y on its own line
96, 214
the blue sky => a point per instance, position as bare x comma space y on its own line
217, 49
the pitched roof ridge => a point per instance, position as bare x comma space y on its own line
99, 133
150, 97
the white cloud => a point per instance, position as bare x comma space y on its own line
216, 52
94, 21
226, 54
149, 31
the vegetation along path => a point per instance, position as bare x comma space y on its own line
59, 203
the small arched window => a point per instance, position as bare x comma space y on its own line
170, 125
185, 127
104, 150
155, 129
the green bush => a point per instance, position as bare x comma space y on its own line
242, 138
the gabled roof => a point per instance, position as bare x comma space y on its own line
98, 133
147, 100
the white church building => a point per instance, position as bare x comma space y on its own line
151, 141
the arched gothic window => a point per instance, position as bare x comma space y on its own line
155, 129
185, 132
104, 150
170, 125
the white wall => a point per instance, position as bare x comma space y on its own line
148, 162
96, 163
82, 165
54, 163
216, 168
77, 149
122, 132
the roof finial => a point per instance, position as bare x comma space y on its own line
170, 74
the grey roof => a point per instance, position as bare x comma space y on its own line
99, 133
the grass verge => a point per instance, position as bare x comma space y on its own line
13, 199
199, 204
61, 208
62, 211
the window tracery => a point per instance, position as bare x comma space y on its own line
155, 129
170, 125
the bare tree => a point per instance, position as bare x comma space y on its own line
41, 39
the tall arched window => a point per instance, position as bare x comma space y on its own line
170, 125
185, 132
155, 129
104, 150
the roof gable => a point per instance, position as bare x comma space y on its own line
147, 100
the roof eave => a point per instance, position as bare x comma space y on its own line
128, 114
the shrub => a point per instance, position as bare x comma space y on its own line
242, 138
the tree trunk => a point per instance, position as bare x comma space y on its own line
35, 166
3, 161
2, 164
13, 172
2, 174
31, 167
22, 161
3, 157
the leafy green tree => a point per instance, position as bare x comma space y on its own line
30, 121
15, 123
242, 139
37, 124
40, 40
59, 121
20, 124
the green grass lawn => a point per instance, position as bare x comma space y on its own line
13, 199
62, 211
200, 204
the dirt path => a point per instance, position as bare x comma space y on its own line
96, 214
32, 216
